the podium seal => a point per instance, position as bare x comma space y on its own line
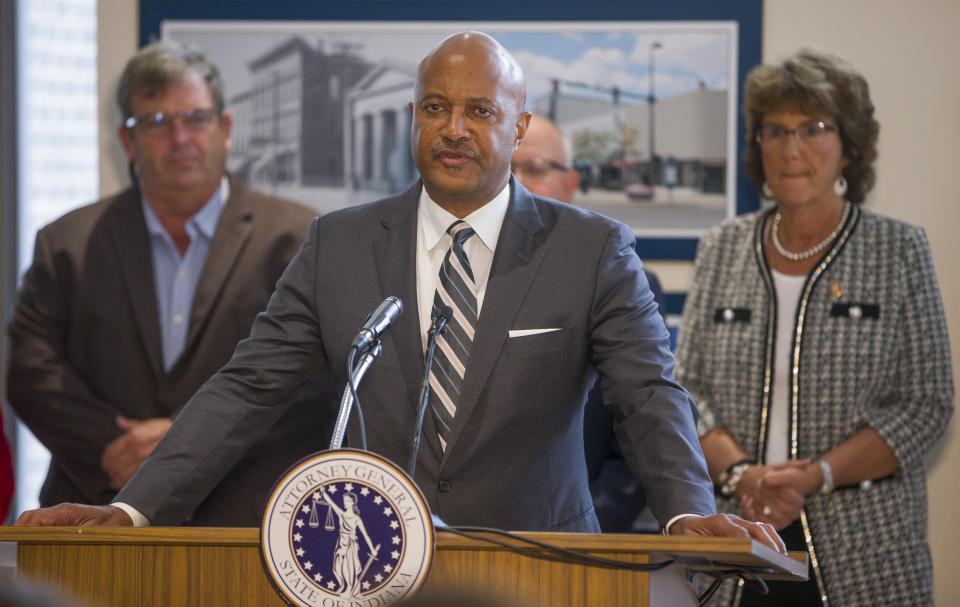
346, 528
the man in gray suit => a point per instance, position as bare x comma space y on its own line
134, 301
561, 296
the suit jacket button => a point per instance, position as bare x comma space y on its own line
855, 312
443, 485
728, 315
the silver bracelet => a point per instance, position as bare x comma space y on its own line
827, 476
729, 484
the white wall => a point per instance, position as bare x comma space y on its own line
117, 35
908, 53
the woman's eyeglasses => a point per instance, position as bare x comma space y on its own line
807, 133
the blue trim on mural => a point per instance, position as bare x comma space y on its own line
675, 302
747, 13
666, 248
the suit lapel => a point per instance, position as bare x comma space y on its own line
395, 260
515, 262
128, 229
234, 230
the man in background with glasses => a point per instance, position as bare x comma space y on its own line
543, 164
134, 301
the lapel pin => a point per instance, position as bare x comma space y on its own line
836, 289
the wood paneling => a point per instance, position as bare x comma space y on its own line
202, 566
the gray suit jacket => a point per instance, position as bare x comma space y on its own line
515, 455
85, 341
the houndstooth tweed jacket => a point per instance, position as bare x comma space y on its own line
870, 342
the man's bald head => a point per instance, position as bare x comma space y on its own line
543, 163
466, 47
468, 118
544, 135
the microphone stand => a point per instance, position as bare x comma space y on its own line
438, 327
346, 402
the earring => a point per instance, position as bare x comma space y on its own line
840, 186
767, 192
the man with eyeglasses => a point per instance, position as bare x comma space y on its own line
543, 162
134, 301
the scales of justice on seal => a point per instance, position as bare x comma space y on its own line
348, 527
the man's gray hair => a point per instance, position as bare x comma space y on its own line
161, 64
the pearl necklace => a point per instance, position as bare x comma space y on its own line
809, 252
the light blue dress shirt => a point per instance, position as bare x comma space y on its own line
176, 276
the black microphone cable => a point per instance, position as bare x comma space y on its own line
550, 552
440, 319
749, 575
545, 551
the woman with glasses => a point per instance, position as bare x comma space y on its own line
814, 342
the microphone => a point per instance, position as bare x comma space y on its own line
366, 342
441, 317
378, 322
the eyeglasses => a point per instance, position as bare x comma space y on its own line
807, 133
161, 123
538, 167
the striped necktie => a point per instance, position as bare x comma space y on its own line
457, 289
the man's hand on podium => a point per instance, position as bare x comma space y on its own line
729, 525
75, 515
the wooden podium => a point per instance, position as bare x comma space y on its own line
209, 566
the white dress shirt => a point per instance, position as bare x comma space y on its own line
433, 242
788, 288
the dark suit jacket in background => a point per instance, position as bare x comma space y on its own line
515, 456
85, 343
618, 497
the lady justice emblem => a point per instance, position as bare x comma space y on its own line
346, 528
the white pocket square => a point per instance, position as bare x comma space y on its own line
524, 332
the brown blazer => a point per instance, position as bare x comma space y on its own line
85, 342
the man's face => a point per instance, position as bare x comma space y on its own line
467, 121
182, 157
539, 163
